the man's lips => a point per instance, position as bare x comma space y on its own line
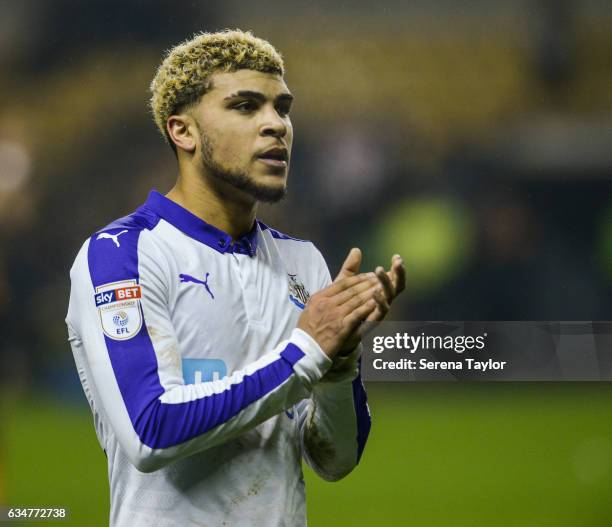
274, 157
273, 162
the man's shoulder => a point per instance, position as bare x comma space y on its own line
141, 219
279, 235
118, 240
297, 250
122, 232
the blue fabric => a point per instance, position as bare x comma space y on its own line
161, 425
364, 422
276, 234
142, 218
198, 229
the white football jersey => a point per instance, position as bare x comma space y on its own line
205, 395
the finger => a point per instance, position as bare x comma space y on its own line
357, 316
356, 303
351, 264
381, 310
398, 274
367, 326
383, 305
376, 316
345, 283
386, 283
359, 299
367, 285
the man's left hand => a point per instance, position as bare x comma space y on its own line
392, 282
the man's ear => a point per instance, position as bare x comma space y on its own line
181, 131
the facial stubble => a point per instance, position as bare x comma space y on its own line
239, 180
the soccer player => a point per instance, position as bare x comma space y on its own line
216, 352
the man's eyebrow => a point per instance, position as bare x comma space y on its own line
259, 96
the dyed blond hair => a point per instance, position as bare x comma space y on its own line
183, 76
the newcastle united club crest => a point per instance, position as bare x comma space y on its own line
297, 292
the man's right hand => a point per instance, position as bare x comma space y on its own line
336, 311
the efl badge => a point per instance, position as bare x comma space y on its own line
297, 292
119, 307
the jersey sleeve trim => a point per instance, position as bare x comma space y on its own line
316, 363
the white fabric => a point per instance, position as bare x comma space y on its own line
245, 471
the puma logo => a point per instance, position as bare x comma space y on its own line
113, 237
189, 278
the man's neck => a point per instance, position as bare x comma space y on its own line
216, 206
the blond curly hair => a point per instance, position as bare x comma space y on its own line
183, 76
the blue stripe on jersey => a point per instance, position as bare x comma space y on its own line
277, 234
364, 422
134, 363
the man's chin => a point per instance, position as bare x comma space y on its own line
267, 193
267, 189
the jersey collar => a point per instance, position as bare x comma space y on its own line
198, 229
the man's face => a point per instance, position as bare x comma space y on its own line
246, 133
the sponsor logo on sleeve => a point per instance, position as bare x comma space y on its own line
119, 309
109, 236
203, 370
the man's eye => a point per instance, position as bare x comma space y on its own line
246, 106
283, 110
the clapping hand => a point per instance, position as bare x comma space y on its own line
390, 284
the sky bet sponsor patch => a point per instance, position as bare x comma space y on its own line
119, 307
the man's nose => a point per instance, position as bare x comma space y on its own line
273, 124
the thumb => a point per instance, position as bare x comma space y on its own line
351, 265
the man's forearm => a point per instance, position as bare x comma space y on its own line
335, 424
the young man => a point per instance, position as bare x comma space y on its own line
214, 351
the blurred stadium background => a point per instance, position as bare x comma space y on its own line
475, 138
